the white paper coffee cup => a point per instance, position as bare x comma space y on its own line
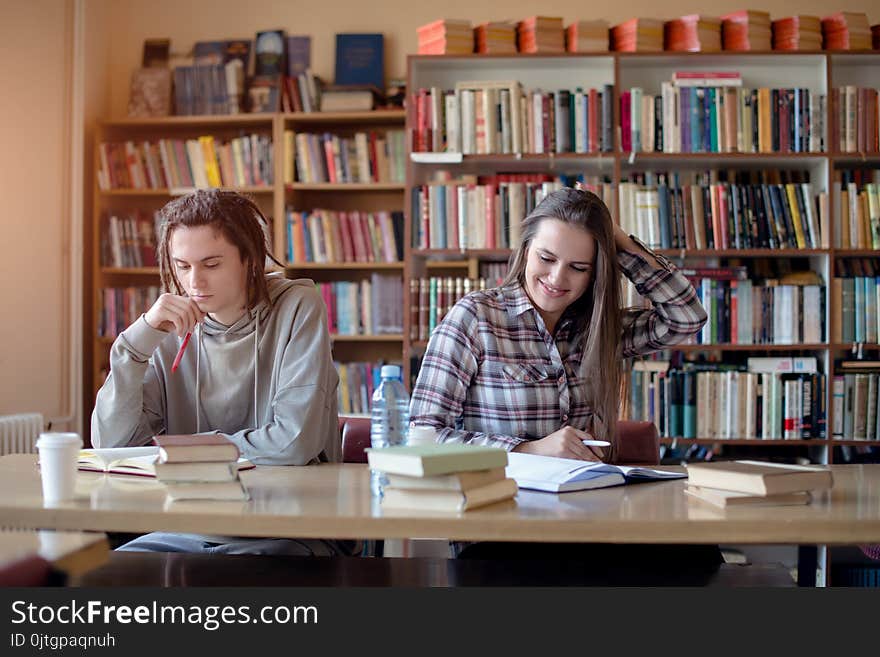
421, 435
58, 456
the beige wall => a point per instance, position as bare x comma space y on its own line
188, 21
35, 40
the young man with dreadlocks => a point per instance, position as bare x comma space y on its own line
258, 368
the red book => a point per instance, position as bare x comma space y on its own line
345, 234
625, 127
187, 448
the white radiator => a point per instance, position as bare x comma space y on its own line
19, 433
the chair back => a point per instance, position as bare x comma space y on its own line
638, 443
355, 432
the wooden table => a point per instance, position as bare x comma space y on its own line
333, 501
73, 553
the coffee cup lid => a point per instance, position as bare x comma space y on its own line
61, 439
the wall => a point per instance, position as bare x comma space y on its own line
188, 21
35, 42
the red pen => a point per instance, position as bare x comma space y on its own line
179, 355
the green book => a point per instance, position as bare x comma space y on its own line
436, 459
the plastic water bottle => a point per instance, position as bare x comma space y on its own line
389, 418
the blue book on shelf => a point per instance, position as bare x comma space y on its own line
360, 59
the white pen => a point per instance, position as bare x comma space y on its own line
596, 443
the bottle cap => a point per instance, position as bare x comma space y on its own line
390, 372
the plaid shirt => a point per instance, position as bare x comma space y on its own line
493, 374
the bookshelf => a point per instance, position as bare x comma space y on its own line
275, 196
817, 71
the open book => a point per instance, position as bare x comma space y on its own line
140, 461
558, 475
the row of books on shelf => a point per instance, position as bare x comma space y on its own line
485, 212
207, 161
857, 196
371, 306
119, 307
855, 127
696, 210
531, 35
430, 299
357, 381
129, 240
207, 89
718, 115
742, 311
329, 236
859, 311
731, 402
486, 117
742, 30
362, 158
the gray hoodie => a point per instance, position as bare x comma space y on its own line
267, 382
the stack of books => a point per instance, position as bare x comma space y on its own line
746, 30
638, 35
200, 467
446, 37
755, 483
541, 34
797, 33
846, 30
495, 38
692, 33
587, 36
442, 477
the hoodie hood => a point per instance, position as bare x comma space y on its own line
277, 285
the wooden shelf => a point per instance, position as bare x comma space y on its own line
632, 158
181, 191
850, 345
130, 271
741, 253
748, 347
475, 253
857, 253
346, 187
854, 443
334, 266
202, 119
375, 116
335, 337
815, 442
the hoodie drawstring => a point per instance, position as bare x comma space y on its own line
256, 373
198, 396
256, 368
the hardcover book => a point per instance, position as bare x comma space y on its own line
729, 498
360, 59
185, 448
436, 459
758, 477
449, 500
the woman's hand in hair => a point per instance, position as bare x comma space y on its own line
565, 443
624, 242
174, 313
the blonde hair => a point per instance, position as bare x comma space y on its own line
597, 313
